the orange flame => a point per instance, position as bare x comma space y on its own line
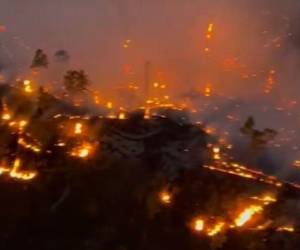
210, 30
247, 214
198, 225
165, 197
78, 128
216, 229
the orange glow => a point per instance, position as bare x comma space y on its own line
126, 44
207, 91
198, 225
147, 114
270, 82
6, 116
109, 105
96, 99
216, 153
267, 199
216, 229
22, 124
122, 116
27, 86
206, 50
78, 128
290, 229
22, 175
83, 151
165, 197
34, 148
297, 163
247, 214
210, 30
156, 85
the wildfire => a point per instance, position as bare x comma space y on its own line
109, 105
78, 128
22, 124
147, 113
266, 200
270, 82
122, 116
290, 229
247, 214
198, 225
34, 148
165, 197
207, 91
210, 30
216, 153
27, 86
6, 116
82, 151
96, 99
216, 229
22, 175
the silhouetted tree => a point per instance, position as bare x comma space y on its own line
62, 56
258, 138
40, 60
76, 81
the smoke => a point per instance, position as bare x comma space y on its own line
250, 39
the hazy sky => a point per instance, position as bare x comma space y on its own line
169, 33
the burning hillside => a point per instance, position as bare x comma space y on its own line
143, 180
181, 132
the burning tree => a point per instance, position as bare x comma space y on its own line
40, 60
76, 81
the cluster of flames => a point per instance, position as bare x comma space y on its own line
244, 218
84, 149
15, 171
223, 164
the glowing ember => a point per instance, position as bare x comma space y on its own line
126, 44
247, 214
156, 85
297, 163
22, 124
78, 128
27, 86
109, 105
270, 82
122, 116
147, 113
165, 197
6, 116
216, 153
22, 175
207, 91
216, 229
83, 151
290, 229
198, 225
96, 99
267, 199
34, 148
210, 30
